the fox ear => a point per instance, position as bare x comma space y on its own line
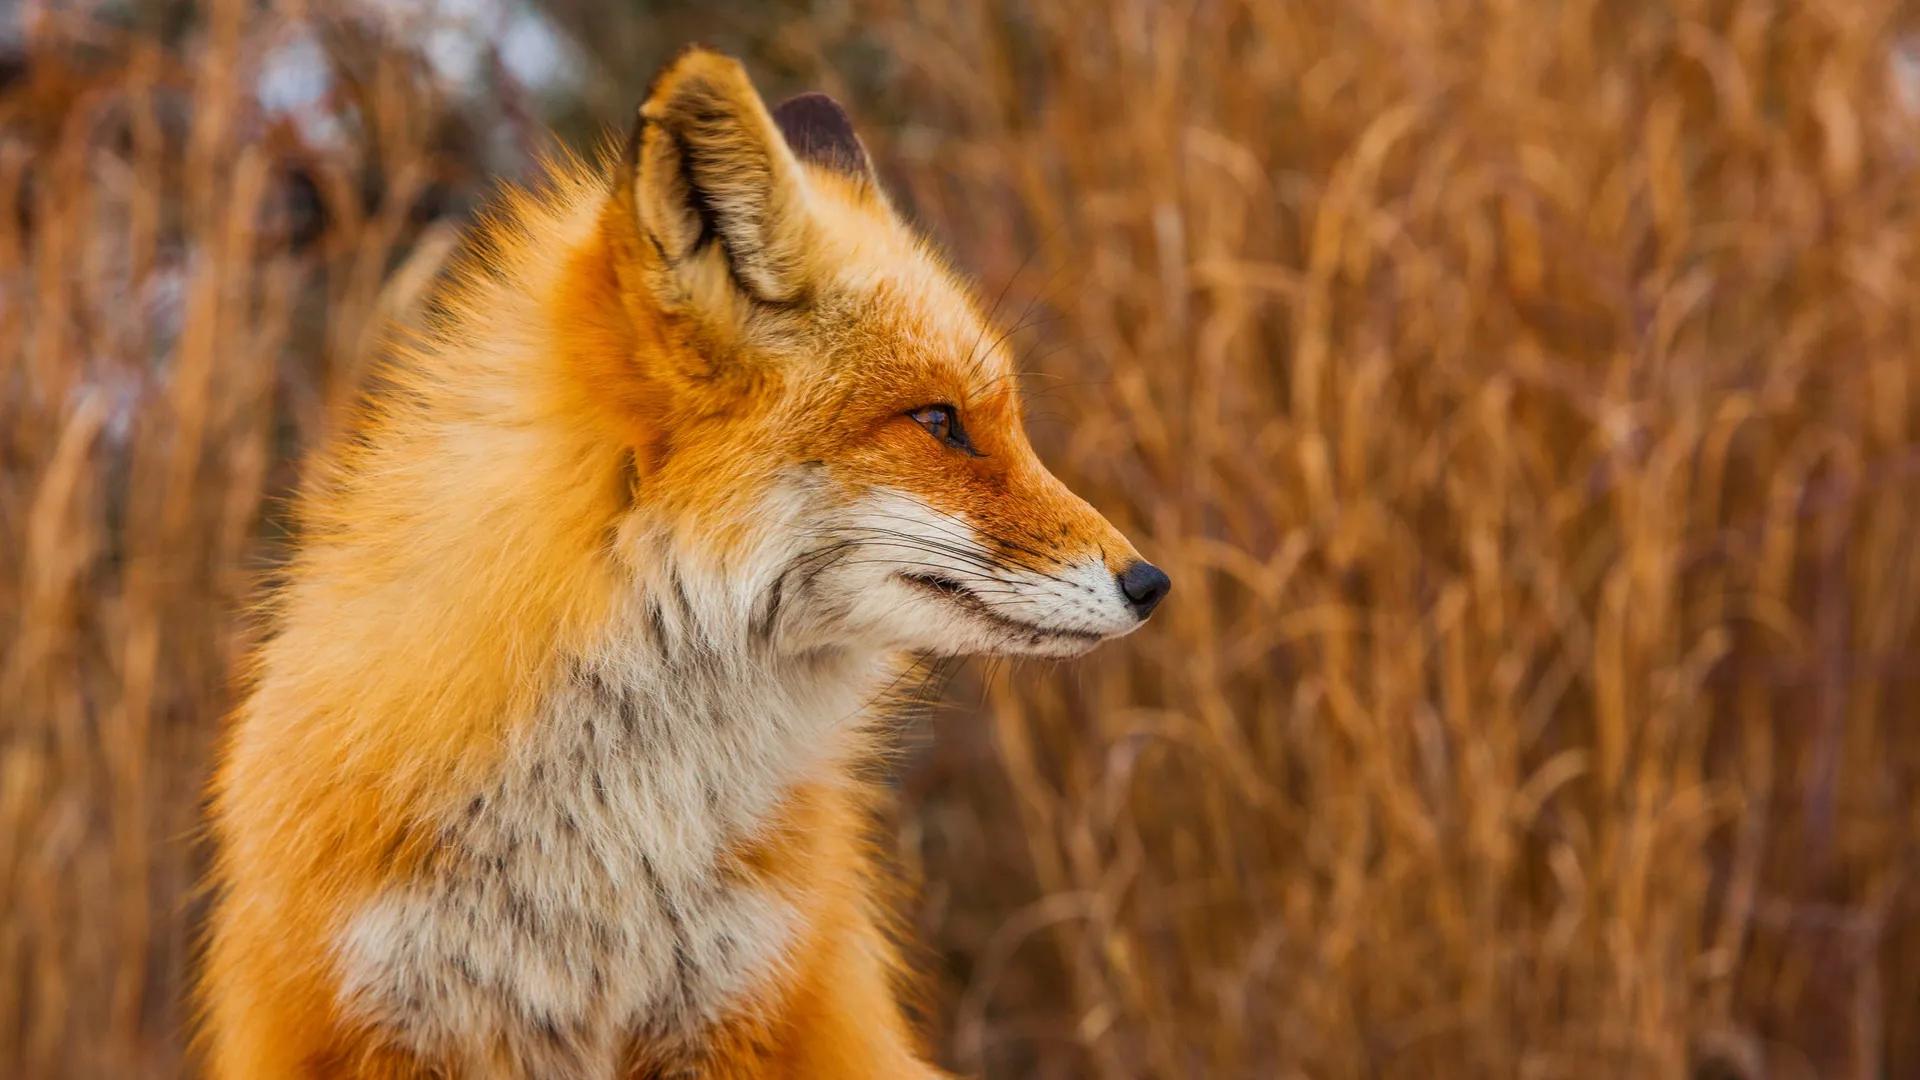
710, 167
821, 133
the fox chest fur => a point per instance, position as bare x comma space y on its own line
587, 894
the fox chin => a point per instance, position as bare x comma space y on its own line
551, 763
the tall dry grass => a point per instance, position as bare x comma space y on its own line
1524, 398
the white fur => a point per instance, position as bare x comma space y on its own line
585, 892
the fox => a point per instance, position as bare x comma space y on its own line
553, 759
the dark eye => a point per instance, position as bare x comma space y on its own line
943, 423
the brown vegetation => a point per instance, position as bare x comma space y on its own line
1524, 397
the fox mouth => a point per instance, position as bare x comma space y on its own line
970, 602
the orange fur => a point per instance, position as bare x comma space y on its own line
599, 368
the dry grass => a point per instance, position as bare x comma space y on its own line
1524, 397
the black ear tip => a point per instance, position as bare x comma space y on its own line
821, 132
816, 110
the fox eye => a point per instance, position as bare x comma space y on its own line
943, 423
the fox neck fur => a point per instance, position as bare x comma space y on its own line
597, 884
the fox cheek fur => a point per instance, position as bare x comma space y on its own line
550, 764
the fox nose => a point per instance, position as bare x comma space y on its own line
1144, 585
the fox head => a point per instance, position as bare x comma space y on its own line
825, 431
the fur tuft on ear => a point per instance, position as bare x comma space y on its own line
821, 133
711, 167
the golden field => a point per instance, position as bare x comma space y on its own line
1524, 397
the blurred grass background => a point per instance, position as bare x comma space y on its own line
1523, 395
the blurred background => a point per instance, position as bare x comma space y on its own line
1524, 396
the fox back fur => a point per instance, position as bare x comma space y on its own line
549, 764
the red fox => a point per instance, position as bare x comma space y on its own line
549, 764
